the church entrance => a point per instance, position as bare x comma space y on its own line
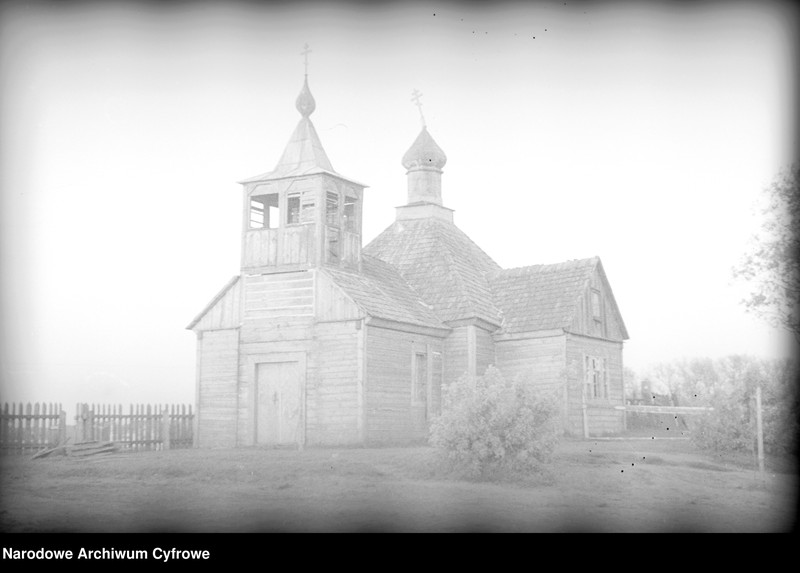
278, 403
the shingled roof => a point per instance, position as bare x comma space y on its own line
540, 297
381, 292
442, 265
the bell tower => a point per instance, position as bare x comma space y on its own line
302, 214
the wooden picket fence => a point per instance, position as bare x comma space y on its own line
28, 428
143, 427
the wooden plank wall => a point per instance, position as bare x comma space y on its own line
455, 356
281, 295
538, 360
292, 245
332, 387
332, 304
484, 350
351, 244
262, 337
584, 323
217, 379
226, 313
389, 417
603, 418
278, 319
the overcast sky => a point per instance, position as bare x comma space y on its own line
640, 133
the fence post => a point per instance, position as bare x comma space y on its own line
165, 425
759, 432
62, 426
80, 422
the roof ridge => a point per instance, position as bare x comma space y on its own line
405, 282
594, 260
375, 289
473, 243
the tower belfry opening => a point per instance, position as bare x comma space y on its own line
302, 214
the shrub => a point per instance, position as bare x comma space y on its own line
729, 427
732, 425
489, 424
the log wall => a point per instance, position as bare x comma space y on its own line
391, 415
218, 365
602, 417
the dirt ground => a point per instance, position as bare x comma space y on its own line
591, 486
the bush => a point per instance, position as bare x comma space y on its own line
490, 425
731, 426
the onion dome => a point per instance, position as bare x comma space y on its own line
305, 101
424, 152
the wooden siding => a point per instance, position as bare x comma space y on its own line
390, 415
609, 326
290, 245
484, 350
351, 248
332, 303
277, 320
602, 417
226, 312
217, 380
264, 340
539, 361
455, 355
276, 296
333, 385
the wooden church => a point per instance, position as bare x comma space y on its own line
322, 341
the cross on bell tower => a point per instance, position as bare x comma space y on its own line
304, 53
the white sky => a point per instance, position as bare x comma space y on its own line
642, 133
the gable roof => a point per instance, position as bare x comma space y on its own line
541, 297
218, 297
442, 265
381, 292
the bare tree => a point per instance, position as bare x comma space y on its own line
771, 267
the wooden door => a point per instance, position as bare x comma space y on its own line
278, 403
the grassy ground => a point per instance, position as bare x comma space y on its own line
619, 485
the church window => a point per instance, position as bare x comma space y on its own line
332, 209
349, 214
293, 209
299, 208
264, 212
596, 380
597, 314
